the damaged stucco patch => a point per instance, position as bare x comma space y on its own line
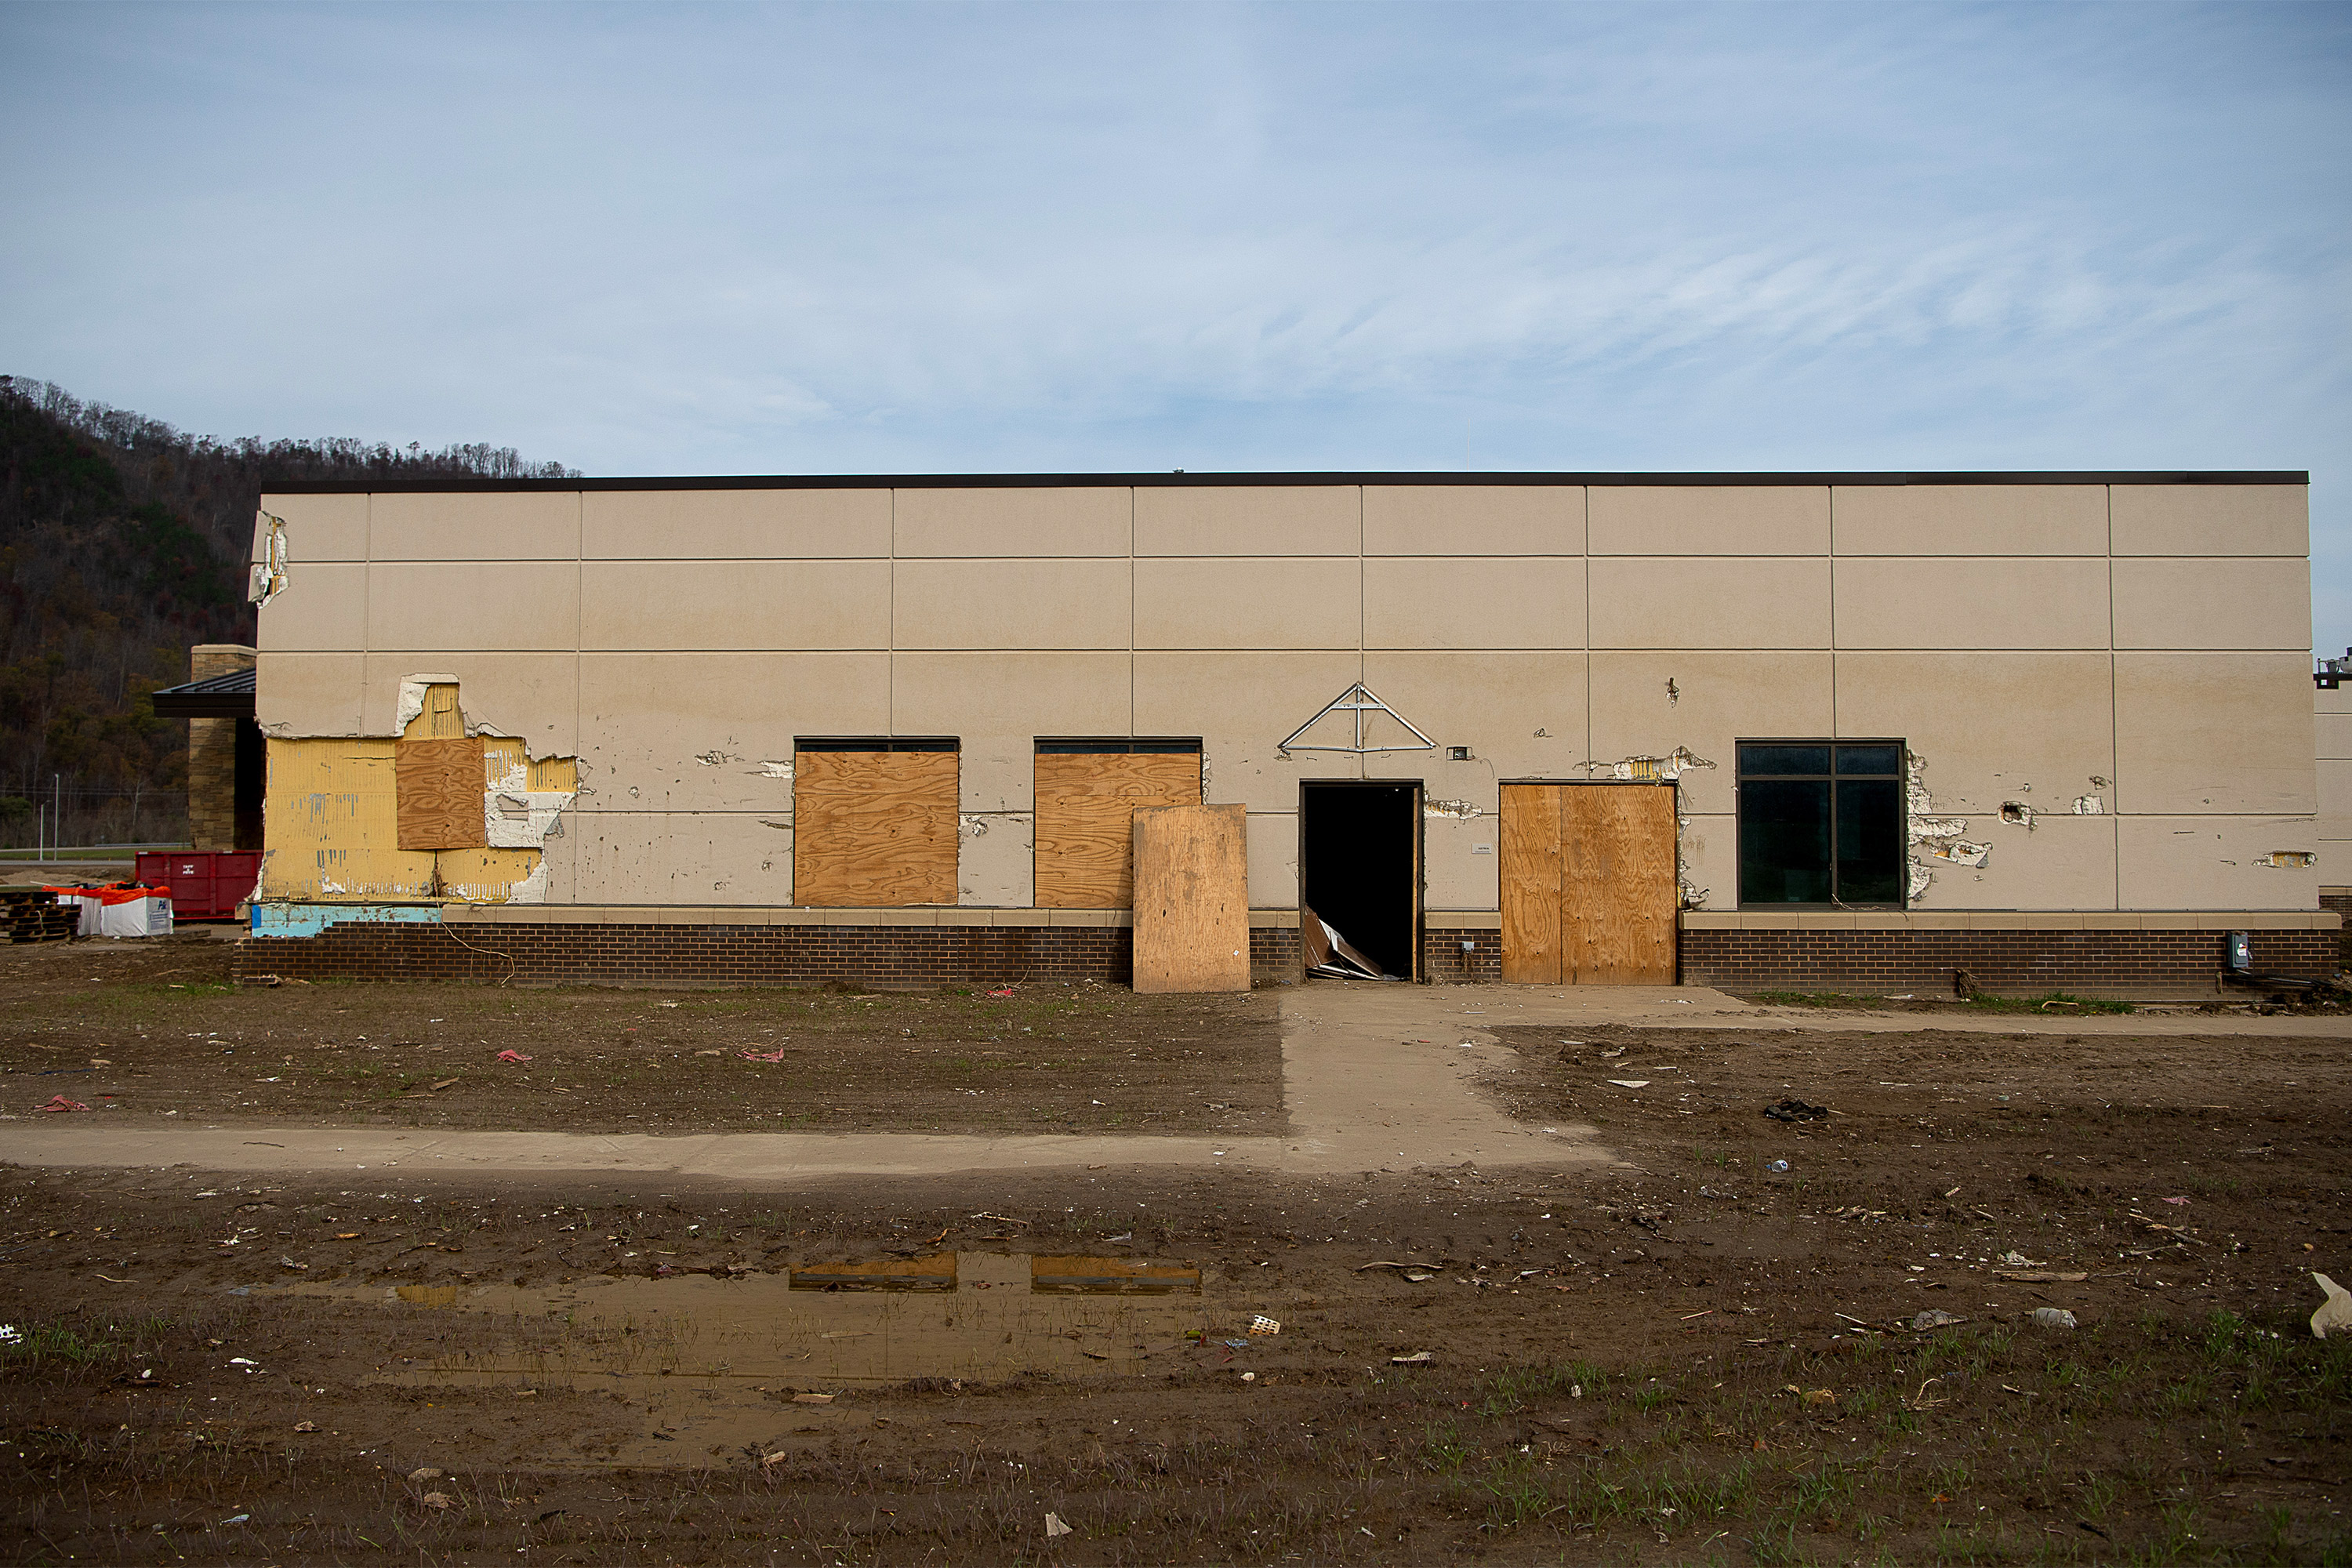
1651, 769
268, 576
1459, 810
332, 812
1932, 836
517, 816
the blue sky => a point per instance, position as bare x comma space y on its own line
918, 237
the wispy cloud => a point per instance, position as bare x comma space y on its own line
668, 239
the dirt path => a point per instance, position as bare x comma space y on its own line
1373, 1078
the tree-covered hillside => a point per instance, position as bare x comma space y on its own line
122, 542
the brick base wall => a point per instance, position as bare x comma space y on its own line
621, 954
2143, 964
2125, 963
2341, 902
1445, 960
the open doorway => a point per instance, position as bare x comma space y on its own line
1359, 868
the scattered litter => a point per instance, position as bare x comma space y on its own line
1122, 1236
1362, 1266
713, 1051
1631, 1082
2041, 1276
444, 1083
1821, 1397
1935, 1318
290, 1263
1249, 1377
1612, 1054
60, 1103
1264, 1326
1776, 1164
242, 1361
2335, 1312
512, 1056
2177, 1201
1795, 1110
305, 1425
1006, 992
813, 1399
2017, 1260
778, 1457
1054, 1525
1416, 1276
775, 1056
1418, 1358
426, 1473
2052, 1318
236, 1519
440, 1500
665, 1004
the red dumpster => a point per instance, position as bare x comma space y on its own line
206, 885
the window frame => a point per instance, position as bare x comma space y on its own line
1900, 778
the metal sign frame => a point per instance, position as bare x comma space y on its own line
1358, 701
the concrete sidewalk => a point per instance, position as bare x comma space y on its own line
1375, 1078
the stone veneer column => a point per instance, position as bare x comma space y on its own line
212, 753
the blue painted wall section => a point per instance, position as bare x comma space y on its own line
310, 919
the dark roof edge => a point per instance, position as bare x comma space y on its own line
1052, 481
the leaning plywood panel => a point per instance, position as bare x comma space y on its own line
1085, 822
1191, 899
439, 784
874, 828
1617, 884
1531, 879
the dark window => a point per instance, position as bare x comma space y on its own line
876, 744
1145, 746
1820, 822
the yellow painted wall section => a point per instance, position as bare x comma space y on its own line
329, 820
329, 828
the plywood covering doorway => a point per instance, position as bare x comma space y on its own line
873, 823
1588, 879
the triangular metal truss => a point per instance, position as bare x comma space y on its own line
1358, 701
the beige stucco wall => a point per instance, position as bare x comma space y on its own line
2332, 723
2140, 649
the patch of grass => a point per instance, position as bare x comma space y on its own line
2065, 1003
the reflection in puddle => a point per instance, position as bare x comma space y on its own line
718, 1361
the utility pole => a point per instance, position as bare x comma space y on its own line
57, 809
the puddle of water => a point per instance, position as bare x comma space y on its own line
935, 1273
716, 1362
1111, 1276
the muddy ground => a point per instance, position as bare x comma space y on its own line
145, 1031
1690, 1357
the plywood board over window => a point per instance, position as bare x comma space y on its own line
874, 828
1191, 899
1086, 802
1588, 890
